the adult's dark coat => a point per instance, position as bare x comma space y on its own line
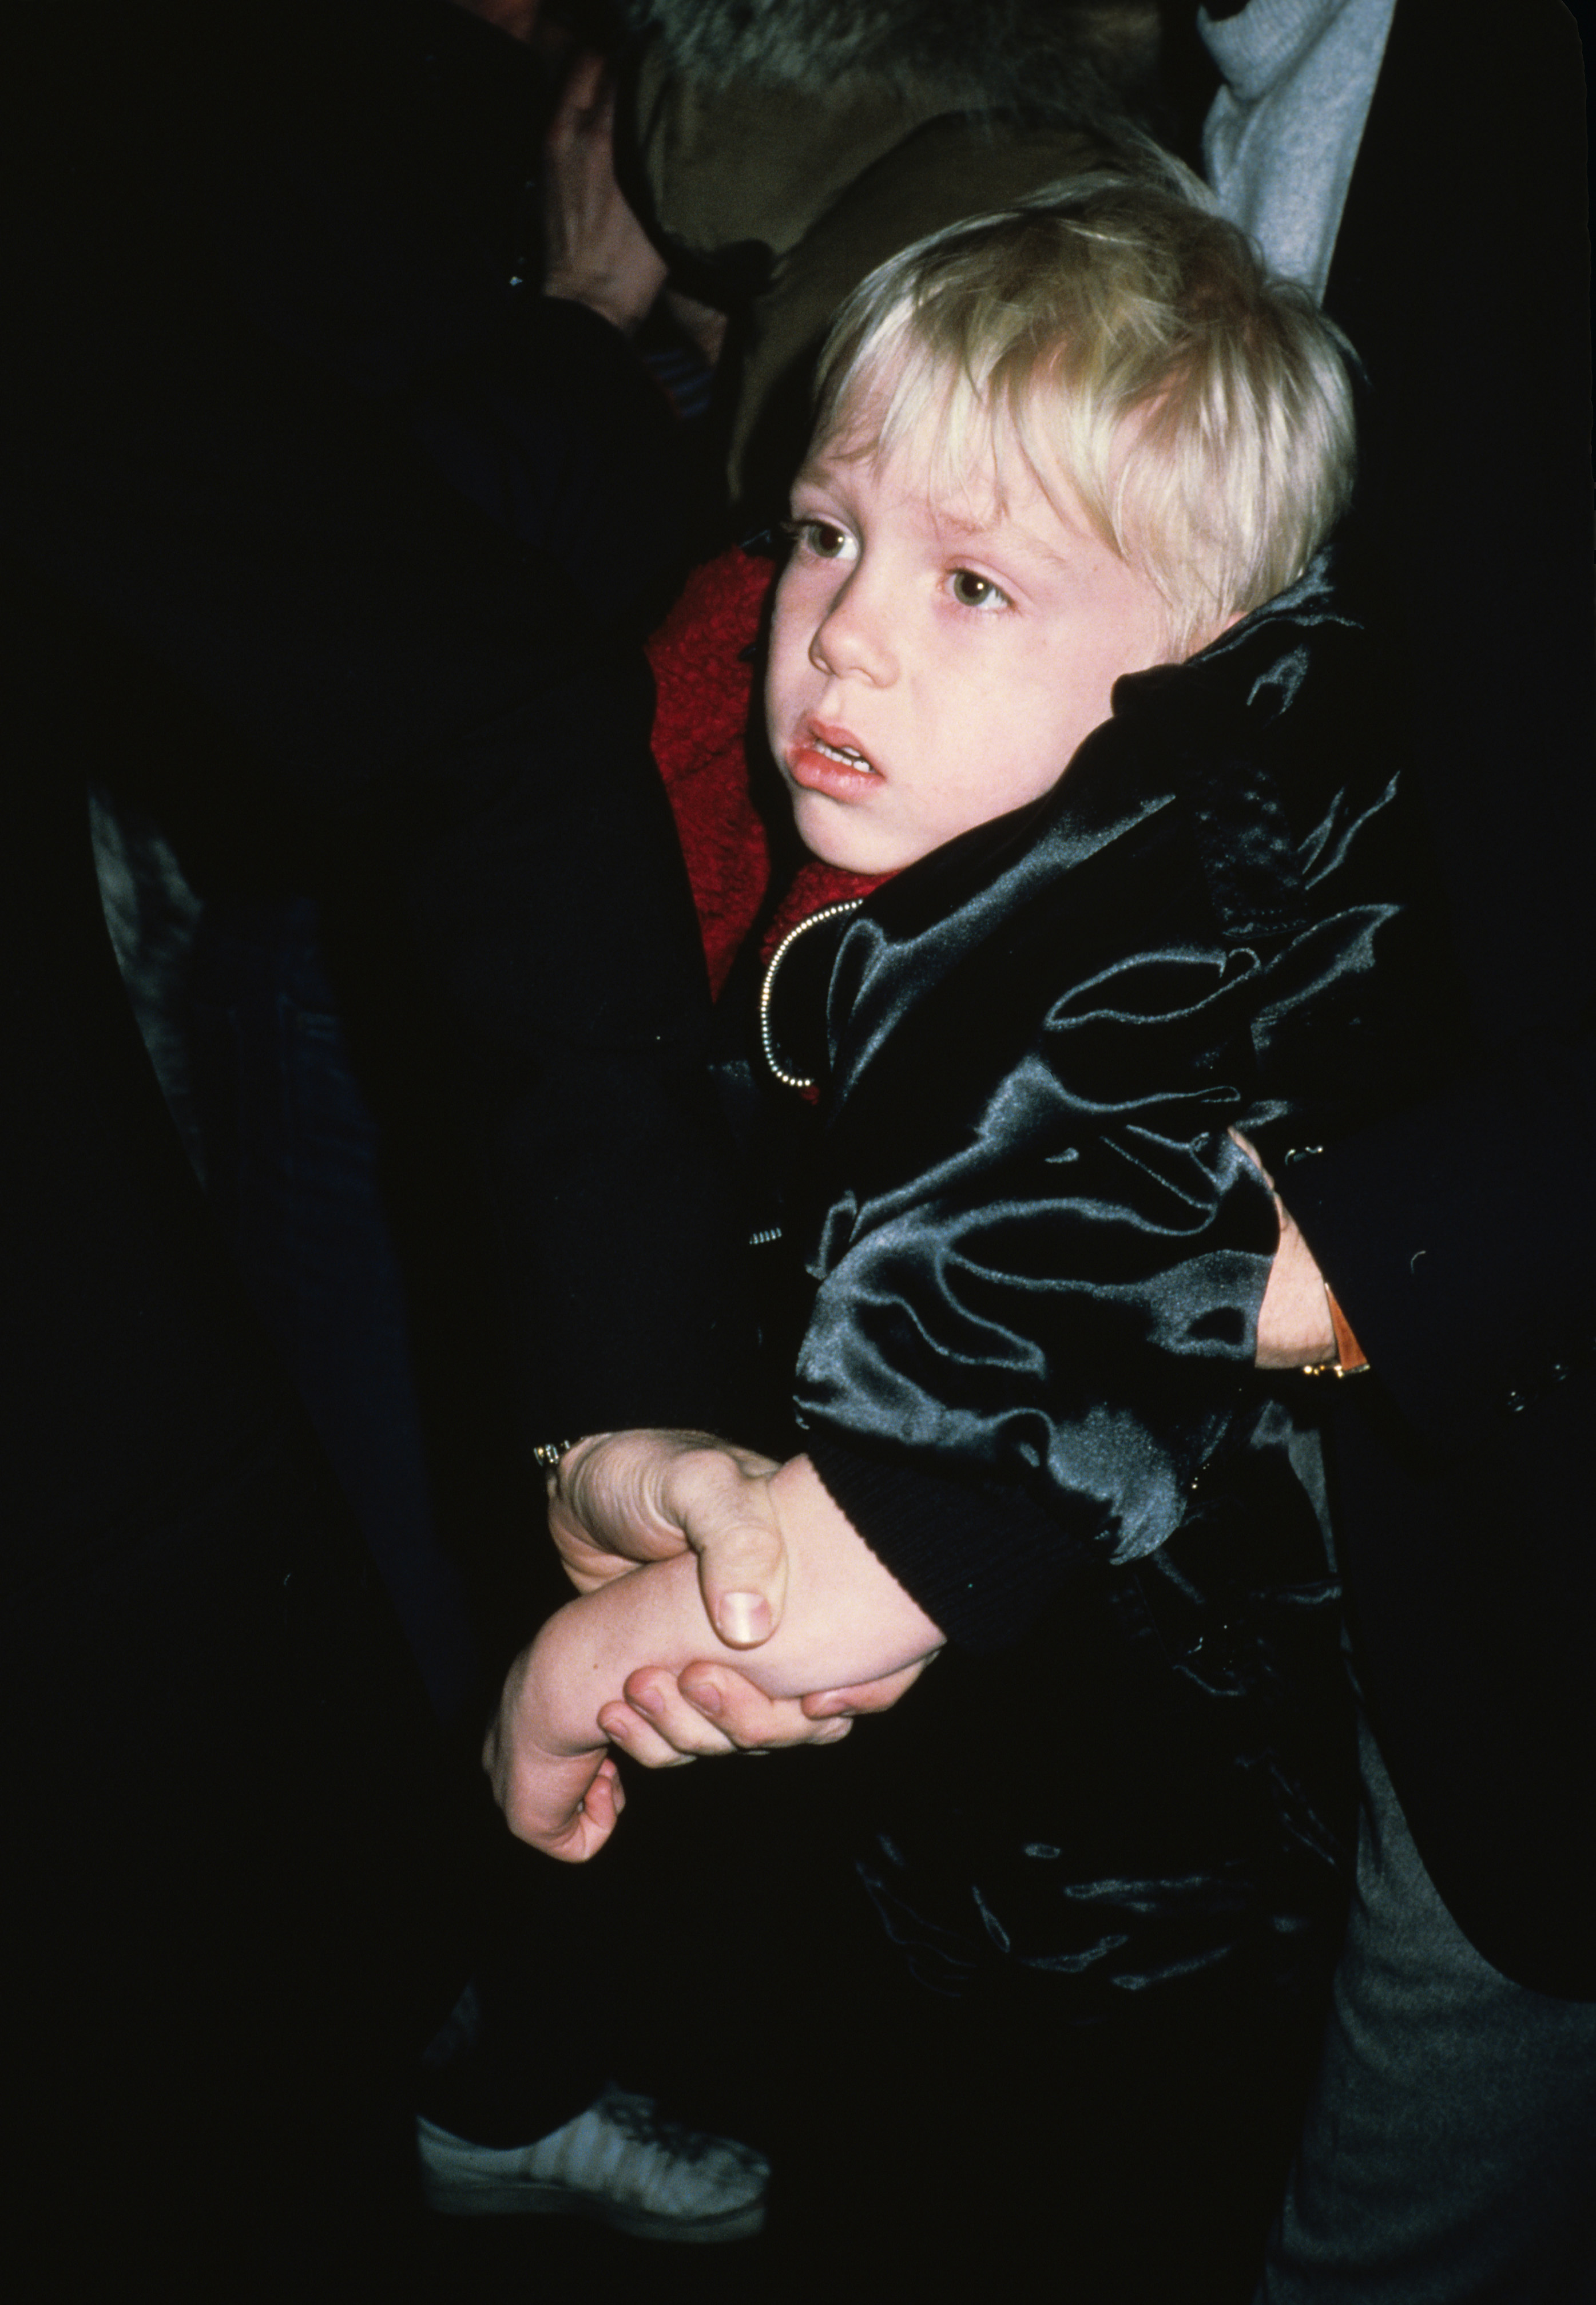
222, 550
1461, 1236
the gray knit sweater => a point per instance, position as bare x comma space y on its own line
1283, 133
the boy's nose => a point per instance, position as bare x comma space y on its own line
852, 637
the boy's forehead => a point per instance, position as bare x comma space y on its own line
944, 452
966, 485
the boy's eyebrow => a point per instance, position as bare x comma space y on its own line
819, 465
1016, 532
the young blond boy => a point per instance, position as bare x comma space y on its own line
1080, 442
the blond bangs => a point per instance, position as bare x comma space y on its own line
1128, 345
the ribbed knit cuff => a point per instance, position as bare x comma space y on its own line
982, 1562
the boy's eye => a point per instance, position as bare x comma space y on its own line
822, 538
974, 591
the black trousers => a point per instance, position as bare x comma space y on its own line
242, 1868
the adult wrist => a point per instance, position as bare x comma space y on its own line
603, 296
1351, 1359
1350, 1356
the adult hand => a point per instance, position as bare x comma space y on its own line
1295, 1329
595, 251
710, 1709
623, 1499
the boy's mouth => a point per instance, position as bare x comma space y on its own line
825, 759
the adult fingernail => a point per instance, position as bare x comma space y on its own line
743, 1619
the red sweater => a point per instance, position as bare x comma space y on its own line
700, 657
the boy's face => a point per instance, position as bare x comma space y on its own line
934, 665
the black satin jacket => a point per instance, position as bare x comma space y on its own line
1037, 1254
1036, 1259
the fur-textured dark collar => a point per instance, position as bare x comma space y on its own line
1029, 57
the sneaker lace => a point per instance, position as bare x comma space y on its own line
640, 2119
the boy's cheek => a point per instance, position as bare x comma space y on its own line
775, 681
786, 697
785, 620
802, 598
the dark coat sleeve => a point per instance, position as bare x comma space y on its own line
1459, 1237
1458, 1234
1460, 1231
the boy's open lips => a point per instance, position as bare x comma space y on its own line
826, 759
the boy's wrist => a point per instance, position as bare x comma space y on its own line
564, 1802
580, 1659
549, 1719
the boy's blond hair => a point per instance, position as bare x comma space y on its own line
1127, 341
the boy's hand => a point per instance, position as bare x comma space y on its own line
566, 1804
623, 1499
711, 1709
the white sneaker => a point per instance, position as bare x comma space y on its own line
621, 2161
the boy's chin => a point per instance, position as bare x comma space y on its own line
845, 843
847, 857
